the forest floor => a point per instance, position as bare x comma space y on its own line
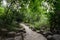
31, 35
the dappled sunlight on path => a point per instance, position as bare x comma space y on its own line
31, 35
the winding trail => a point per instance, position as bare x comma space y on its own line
31, 35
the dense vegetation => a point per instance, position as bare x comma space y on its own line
38, 13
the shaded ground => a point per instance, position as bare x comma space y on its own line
31, 35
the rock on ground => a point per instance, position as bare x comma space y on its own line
31, 35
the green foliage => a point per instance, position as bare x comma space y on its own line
56, 17
9, 17
36, 12
1, 10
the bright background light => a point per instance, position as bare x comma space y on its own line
4, 3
